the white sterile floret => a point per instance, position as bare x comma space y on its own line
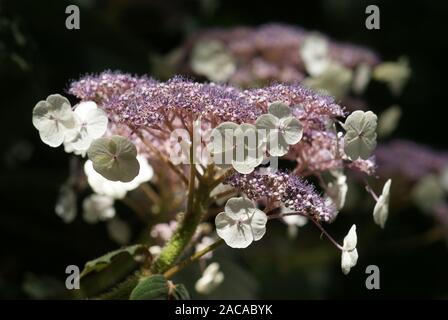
394, 74
335, 80
53, 118
293, 221
115, 158
280, 129
91, 123
361, 78
211, 59
360, 134
117, 189
221, 189
204, 243
381, 210
66, 204
98, 208
237, 145
388, 120
337, 189
349, 256
241, 223
428, 193
314, 53
210, 280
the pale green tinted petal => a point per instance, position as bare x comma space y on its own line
236, 235
258, 223
238, 208
83, 108
58, 101
267, 122
96, 123
81, 140
388, 121
211, 59
380, 212
61, 110
360, 136
277, 145
114, 158
346, 262
53, 121
428, 193
394, 74
293, 130
280, 110
245, 167
223, 159
41, 115
335, 80
223, 137
314, 53
361, 78
351, 239
356, 147
52, 134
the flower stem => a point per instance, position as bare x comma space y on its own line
181, 265
197, 208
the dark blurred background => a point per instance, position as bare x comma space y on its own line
39, 56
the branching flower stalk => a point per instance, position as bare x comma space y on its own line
132, 130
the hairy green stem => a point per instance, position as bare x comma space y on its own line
196, 208
181, 265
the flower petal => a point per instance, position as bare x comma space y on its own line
238, 208
267, 122
277, 145
280, 110
350, 239
114, 158
293, 130
258, 223
236, 235
381, 210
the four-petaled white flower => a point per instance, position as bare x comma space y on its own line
211, 59
241, 223
98, 208
53, 118
115, 158
117, 189
279, 128
360, 134
237, 145
314, 53
381, 210
90, 124
349, 256
210, 280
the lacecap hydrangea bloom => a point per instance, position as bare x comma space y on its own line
147, 121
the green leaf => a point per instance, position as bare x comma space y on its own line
102, 262
180, 292
151, 288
